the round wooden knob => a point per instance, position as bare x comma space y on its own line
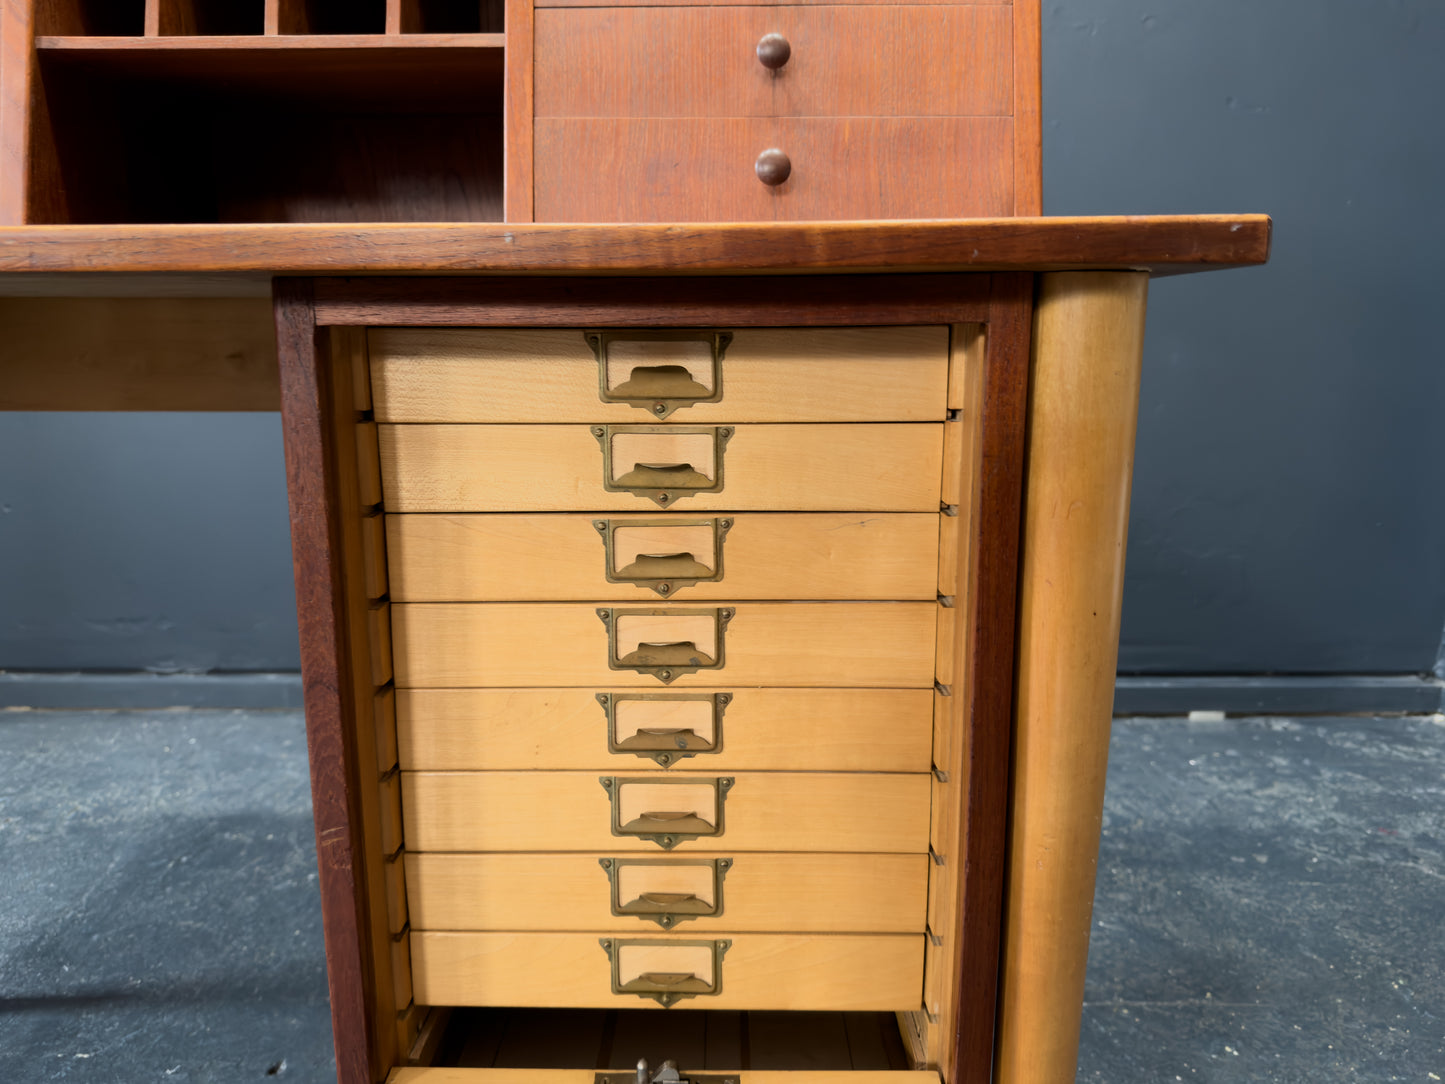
773, 167
773, 51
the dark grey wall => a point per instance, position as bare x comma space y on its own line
1288, 512
1287, 503
144, 542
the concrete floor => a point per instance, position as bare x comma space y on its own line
1271, 902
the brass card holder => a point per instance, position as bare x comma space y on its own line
666, 745
664, 573
667, 909
667, 988
669, 826
665, 660
665, 478
660, 388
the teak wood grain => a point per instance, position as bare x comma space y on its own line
822, 644
1162, 244
517, 557
828, 972
865, 893
890, 374
847, 61
702, 169
569, 811
527, 468
838, 730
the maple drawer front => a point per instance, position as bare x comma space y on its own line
693, 893
887, 374
838, 972
668, 812
614, 468
519, 557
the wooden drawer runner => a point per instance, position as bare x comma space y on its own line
574, 811
702, 169
542, 468
827, 644
520, 557
884, 374
833, 730
821, 972
845, 61
801, 893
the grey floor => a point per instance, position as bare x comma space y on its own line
1271, 901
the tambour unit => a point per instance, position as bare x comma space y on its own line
668, 617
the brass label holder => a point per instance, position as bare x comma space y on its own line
665, 575
667, 828
666, 747
659, 389
667, 989
663, 484
666, 909
667, 661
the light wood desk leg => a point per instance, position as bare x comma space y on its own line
1084, 388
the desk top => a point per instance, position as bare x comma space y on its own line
231, 260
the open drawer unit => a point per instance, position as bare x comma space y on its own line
657, 637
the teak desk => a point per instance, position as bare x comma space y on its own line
875, 478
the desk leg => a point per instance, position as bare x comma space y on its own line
1083, 408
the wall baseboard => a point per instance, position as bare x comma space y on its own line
1324, 694
1321, 694
74, 690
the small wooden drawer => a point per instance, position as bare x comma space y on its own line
821, 972
627, 468
680, 169
724, 730
808, 644
659, 812
518, 557
885, 374
641, 894
836, 61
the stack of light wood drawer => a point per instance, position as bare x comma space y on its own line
665, 615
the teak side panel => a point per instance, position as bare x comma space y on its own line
823, 644
821, 972
536, 468
884, 374
519, 557
802, 893
838, 730
702, 169
763, 811
846, 61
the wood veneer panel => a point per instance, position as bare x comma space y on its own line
335, 671
1162, 244
692, 170
137, 354
518, 197
847, 61
1027, 108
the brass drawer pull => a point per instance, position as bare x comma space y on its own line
640, 807
663, 554
666, 890
665, 643
699, 718
662, 462
659, 371
666, 971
